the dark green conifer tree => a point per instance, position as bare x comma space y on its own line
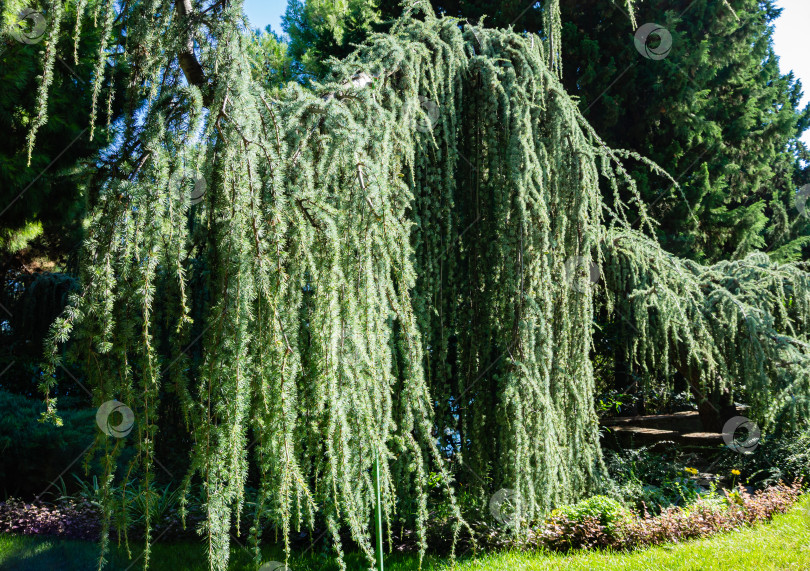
716, 113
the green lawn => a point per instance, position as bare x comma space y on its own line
783, 544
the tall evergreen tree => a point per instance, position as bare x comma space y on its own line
716, 113
41, 196
272, 64
390, 241
320, 29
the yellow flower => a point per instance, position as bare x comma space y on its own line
692, 471
735, 472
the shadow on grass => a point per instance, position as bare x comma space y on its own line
31, 553
34, 554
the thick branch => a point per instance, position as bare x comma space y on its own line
188, 60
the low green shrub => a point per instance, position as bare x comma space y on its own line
595, 522
32, 453
608, 512
644, 480
784, 457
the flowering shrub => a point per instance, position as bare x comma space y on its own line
597, 522
78, 515
69, 518
778, 457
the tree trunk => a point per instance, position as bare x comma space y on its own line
715, 407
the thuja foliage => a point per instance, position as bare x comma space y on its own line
386, 264
717, 112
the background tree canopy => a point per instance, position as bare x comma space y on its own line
395, 255
44, 196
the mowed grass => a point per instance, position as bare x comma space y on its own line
783, 544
